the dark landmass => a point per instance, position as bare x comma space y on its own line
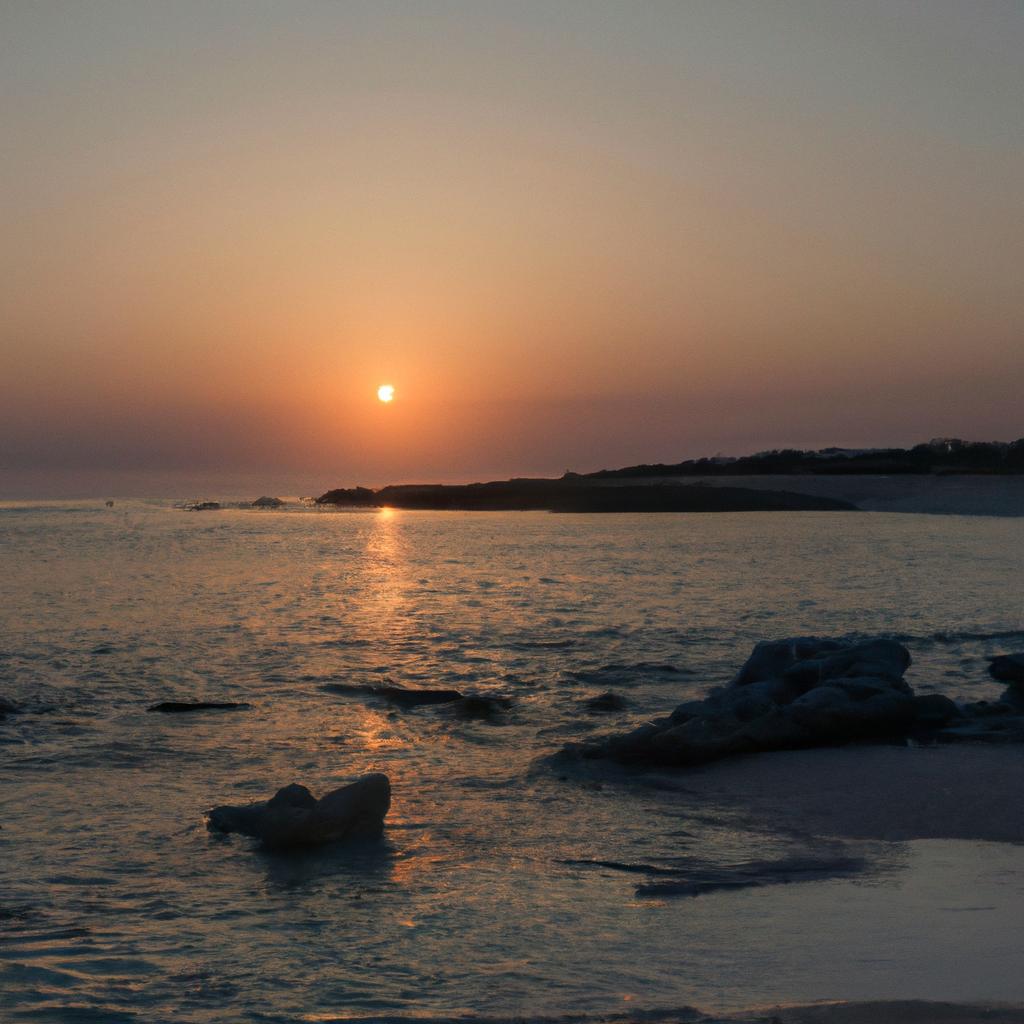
577, 494
939, 456
946, 475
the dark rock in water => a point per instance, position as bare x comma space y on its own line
1007, 668
806, 692
604, 702
465, 705
294, 818
267, 502
8, 707
408, 698
177, 707
478, 706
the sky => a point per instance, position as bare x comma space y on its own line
572, 235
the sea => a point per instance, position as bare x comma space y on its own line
511, 881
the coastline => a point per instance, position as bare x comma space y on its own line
963, 494
580, 495
932, 494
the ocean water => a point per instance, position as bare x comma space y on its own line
506, 884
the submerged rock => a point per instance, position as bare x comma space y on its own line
604, 702
410, 698
482, 706
807, 692
178, 707
7, 707
294, 818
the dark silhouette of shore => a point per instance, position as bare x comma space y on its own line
939, 456
946, 475
576, 494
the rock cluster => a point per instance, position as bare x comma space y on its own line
807, 692
294, 818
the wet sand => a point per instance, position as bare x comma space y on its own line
889, 1012
884, 793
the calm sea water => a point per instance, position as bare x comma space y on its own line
117, 904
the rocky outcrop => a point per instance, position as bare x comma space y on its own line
807, 692
580, 495
294, 818
266, 501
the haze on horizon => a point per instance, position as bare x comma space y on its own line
571, 234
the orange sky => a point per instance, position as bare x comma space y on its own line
570, 234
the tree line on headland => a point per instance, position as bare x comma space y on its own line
940, 455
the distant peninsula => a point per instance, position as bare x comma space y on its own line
577, 494
945, 475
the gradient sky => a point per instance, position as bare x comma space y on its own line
572, 235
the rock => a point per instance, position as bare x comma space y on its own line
409, 698
1007, 668
831, 715
7, 707
605, 702
934, 709
809, 691
178, 707
294, 818
478, 706
267, 502
803, 691
202, 506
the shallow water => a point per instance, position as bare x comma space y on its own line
116, 903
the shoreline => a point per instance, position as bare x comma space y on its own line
947, 494
910, 1011
579, 495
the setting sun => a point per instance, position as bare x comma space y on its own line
385, 392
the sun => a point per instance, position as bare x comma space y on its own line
386, 392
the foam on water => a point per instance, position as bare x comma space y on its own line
498, 889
